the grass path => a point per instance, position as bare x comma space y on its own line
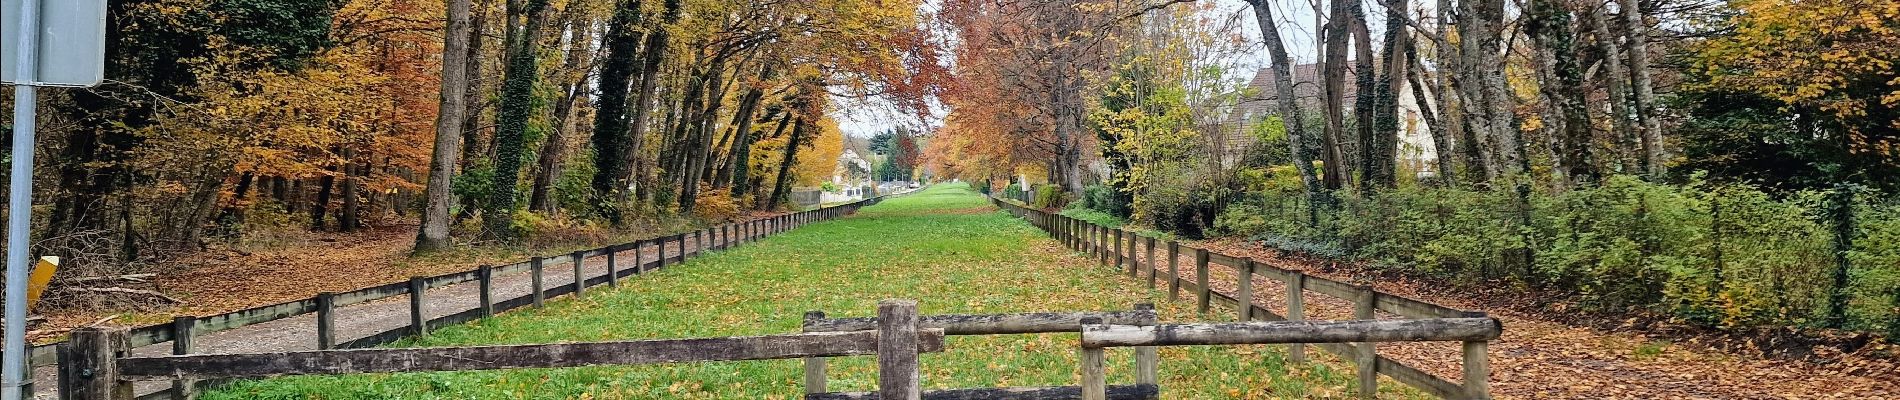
945, 247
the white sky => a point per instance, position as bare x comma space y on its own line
864, 117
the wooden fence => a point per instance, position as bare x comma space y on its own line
670, 249
896, 340
1146, 358
1122, 250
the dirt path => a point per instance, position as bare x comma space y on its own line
1542, 359
363, 319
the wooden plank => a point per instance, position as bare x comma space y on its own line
1365, 353
372, 293
326, 321
1281, 332
827, 344
1329, 287
1295, 311
1201, 259
1411, 308
1094, 372
91, 373
1115, 392
990, 324
418, 321
256, 315
814, 366
898, 376
1244, 292
1477, 371
182, 327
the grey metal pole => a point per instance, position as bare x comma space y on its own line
20, 201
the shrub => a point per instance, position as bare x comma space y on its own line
1013, 191
1050, 196
1732, 256
716, 205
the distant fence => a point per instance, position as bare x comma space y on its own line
182, 329
1121, 249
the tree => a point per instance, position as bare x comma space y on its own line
524, 27
434, 234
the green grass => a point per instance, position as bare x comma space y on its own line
945, 247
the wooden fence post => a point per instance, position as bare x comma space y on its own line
1147, 358
418, 323
487, 275
326, 321
1243, 296
613, 272
1120, 256
1150, 265
92, 371
1295, 311
182, 327
897, 373
814, 366
1101, 243
580, 278
1367, 354
660, 248
639, 256
1174, 270
1094, 373
534, 268
1477, 368
1205, 298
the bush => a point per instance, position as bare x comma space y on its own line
716, 205
1013, 191
1731, 256
1103, 198
1050, 196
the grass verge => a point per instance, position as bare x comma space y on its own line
945, 247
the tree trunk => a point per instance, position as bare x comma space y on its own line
734, 172
449, 121
1381, 152
1363, 103
1615, 83
575, 85
518, 81
1289, 107
1644, 92
474, 146
1333, 66
783, 186
1549, 25
655, 55
610, 138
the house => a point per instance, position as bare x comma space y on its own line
1416, 151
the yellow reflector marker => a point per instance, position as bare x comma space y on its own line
42, 275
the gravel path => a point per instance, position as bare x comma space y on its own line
368, 318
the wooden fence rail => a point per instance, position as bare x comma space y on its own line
896, 342
325, 304
1108, 249
1146, 357
1095, 337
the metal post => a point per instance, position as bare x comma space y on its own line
20, 201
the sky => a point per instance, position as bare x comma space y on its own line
867, 116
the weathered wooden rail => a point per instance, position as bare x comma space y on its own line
1146, 358
670, 249
896, 341
1124, 250
1096, 336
